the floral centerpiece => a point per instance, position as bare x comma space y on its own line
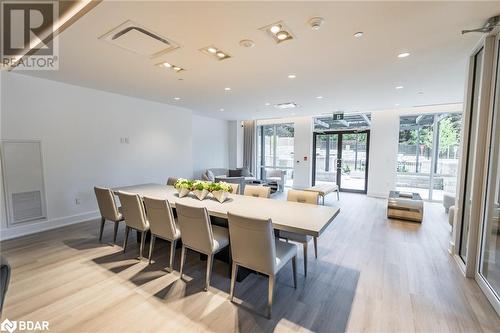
200, 189
183, 186
220, 190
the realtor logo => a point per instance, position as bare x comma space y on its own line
28, 26
23, 325
8, 325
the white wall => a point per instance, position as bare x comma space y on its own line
210, 144
384, 137
80, 130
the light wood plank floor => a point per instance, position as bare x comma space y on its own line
372, 275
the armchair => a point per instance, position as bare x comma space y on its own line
277, 176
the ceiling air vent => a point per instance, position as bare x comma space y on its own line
139, 39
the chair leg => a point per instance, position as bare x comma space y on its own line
294, 270
315, 241
234, 273
183, 258
115, 231
127, 229
151, 246
101, 229
143, 240
270, 292
172, 254
304, 245
210, 261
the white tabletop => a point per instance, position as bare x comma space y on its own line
297, 217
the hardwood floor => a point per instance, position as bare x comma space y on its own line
372, 275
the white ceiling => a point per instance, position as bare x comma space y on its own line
351, 74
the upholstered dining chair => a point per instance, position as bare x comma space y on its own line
257, 191
162, 225
171, 181
306, 197
135, 217
235, 187
198, 234
108, 209
253, 246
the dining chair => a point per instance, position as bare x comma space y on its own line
135, 217
253, 246
171, 181
306, 197
257, 191
198, 234
235, 187
162, 225
108, 209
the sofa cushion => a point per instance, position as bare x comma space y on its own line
245, 172
235, 173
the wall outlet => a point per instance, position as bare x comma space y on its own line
124, 140
77, 201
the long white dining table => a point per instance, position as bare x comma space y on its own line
296, 217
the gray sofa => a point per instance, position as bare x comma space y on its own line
222, 174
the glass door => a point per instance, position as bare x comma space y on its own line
342, 158
489, 257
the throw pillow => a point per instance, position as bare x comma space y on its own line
210, 175
245, 172
235, 173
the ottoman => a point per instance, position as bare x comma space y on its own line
448, 201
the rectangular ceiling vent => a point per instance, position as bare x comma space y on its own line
134, 37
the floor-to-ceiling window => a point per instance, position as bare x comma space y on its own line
275, 149
428, 154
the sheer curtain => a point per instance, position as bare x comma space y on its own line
249, 146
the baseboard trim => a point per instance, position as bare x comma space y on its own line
32, 228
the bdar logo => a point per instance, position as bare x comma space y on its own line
8, 325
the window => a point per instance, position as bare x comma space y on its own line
428, 154
275, 149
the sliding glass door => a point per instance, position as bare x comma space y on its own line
275, 149
489, 256
342, 158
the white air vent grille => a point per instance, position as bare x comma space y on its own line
134, 37
27, 206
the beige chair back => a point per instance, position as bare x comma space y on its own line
161, 218
257, 191
196, 230
171, 181
236, 188
252, 243
309, 197
107, 204
133, 211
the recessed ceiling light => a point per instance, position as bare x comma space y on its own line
227, 89
292, 76
397, 104
177, 98
221, 110
267, 104
420, 93
170, 66
289, 105
278, 31
403, 55
215, 52
319, 97
399, 87
358, 34
282, 35
275, 29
